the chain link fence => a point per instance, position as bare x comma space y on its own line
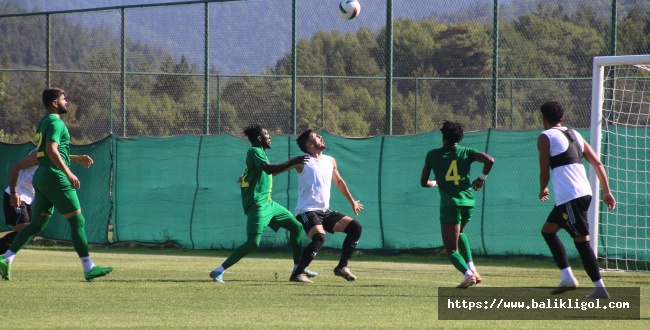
216, 66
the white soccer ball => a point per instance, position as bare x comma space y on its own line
349, 9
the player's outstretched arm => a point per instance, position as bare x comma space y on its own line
343, 188
294, 162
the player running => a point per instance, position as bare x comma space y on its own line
451, 166
54, 186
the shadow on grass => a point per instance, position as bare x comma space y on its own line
424, 256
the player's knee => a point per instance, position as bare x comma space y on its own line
295, 227
253, 244
548, 235
583, 247
318, 240
451, 250
77, 221
353, 228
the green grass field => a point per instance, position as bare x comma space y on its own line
171, 289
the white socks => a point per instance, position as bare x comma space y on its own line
87, 263
220, 269
599, 284
471, 266
567, 275
9, 256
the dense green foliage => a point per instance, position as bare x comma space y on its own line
441, 71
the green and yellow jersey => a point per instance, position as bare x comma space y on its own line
256, 185
451, 168
51, 128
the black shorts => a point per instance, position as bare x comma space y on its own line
17, 216
326, 218
572, 216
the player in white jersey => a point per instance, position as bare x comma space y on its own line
17, 202
314, 183
560, 152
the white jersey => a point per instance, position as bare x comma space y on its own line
314, 184
24, 186
569, 181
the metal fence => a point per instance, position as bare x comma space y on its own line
400, 67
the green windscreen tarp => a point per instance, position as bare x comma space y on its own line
183, 190
94, 194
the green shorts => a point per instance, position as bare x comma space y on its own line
456, 214
272, 215
64, 199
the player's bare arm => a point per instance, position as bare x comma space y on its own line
343, 188
51, 148
274, 169
487, 161
83, 160
543, 147
424, 178
590, 155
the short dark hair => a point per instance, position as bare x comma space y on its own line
253, 131
302, 139
51, 94
553, 112
452, 131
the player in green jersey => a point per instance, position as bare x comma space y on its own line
54, 186
17, 201
451, 166
261, 210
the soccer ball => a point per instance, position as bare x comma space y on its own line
349, 9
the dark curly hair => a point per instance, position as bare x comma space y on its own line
552, 111
452, 132
253, 131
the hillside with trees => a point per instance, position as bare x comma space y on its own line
341, 77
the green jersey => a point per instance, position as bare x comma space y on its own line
451, 167
51, 128
256, 185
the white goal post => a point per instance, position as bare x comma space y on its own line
620, 123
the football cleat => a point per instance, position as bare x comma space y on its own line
565, 286
345, 273
97, 272
467, 282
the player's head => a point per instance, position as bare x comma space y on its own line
552, 112
452, 132
310, 138
54, 98
258, 135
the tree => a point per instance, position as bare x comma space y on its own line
634, 32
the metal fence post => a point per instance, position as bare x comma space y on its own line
495, 65
388, 56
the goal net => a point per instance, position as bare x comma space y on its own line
620, 135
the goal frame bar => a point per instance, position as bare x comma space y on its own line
597, 99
